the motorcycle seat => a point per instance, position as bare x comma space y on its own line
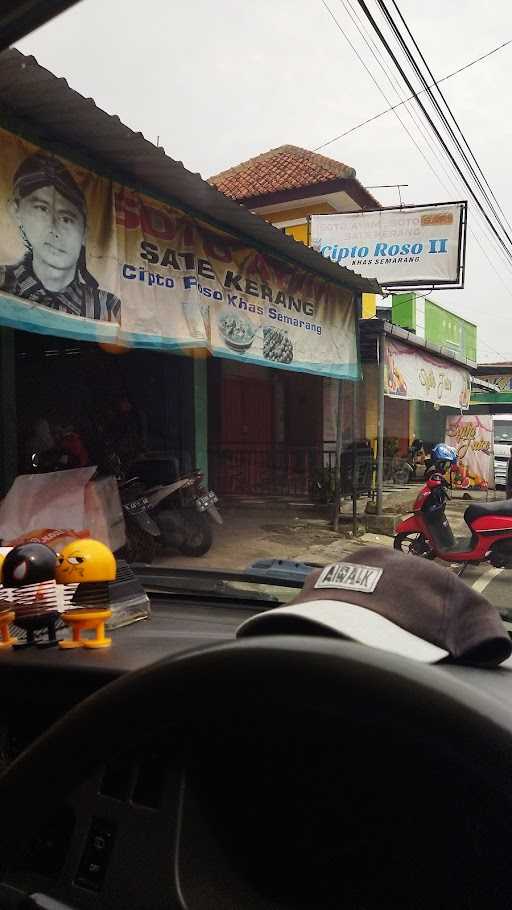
480, 509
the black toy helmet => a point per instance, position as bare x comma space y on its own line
28, 564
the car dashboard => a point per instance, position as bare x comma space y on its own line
376, 782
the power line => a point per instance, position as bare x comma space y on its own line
409, 56
418, 123
416, 68
411, 97
430, 73
431, 122
445, 121
379, 87
428, 140
479, 211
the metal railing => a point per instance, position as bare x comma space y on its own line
273, 470
298, 471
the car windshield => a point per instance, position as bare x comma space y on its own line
248, 357
255, 454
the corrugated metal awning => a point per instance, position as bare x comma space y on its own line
370, 329
57, 113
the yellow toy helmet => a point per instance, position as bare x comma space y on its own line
84, 561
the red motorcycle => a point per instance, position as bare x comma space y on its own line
427, 531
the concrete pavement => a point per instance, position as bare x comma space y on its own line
298, 533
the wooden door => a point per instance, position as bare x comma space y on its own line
246, 434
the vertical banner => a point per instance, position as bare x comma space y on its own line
472, 436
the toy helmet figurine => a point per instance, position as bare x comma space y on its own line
85, 561
28, 564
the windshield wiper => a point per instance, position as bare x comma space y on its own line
219, 585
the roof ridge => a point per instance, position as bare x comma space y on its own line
344, 170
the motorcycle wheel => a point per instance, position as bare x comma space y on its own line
198, 535
413, 542
139, 547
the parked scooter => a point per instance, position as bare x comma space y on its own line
142, 533
427, 531
180, 505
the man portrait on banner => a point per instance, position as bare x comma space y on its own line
50, 211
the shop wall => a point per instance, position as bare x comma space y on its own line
300, 231
303, 414
436, 324
369, 306
283, 214
445, 328
396, 422
396, 412
429, 424
403, 310
349, 427
368, 397
258, 406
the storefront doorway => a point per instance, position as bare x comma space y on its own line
79, 385
265, 430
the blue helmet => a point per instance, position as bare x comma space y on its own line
442, 452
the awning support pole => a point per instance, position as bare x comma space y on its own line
339, 446
355, 473
380, 422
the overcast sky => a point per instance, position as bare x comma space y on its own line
221, 82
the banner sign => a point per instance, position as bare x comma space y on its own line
407, 247
502, 395
413, 374
503, 381
82, 256
472, 436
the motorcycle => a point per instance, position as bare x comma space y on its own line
142, 532
180, 505
427, 531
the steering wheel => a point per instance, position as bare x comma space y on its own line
223, 689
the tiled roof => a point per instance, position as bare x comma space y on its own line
285, 168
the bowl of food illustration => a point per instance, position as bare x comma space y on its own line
236, 329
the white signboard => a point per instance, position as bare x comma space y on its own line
409, 246
472, 436
413, 374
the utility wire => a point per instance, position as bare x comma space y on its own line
418, 123
410, 98
477, 212
379, 87
416, 68
423, 130
430, 73
433, 126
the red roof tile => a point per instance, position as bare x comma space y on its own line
285, 168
